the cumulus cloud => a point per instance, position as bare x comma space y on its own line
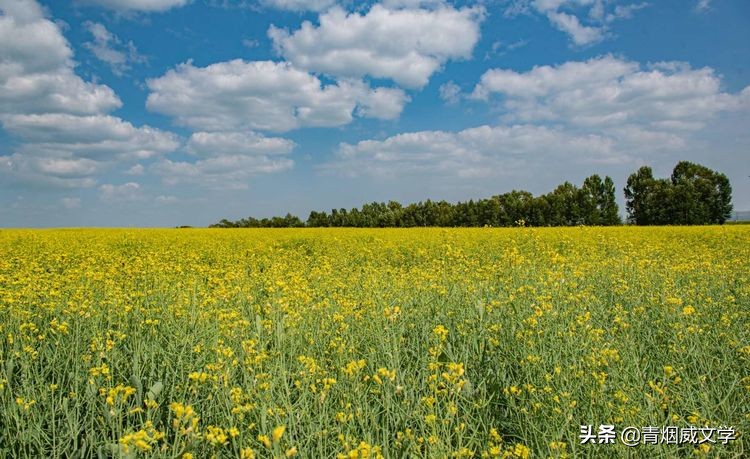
232, 171
266, 96
49, 171
610, 91
406, 45
474, 152
233, 143
450, 92
97, 137
61, 120
108, 48
130, 191
36, 67
137, 5
227, 159
579, 33
60, 168
586, 22
604, 110
137, 169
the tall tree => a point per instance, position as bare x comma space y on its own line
694, 195
597, 203
610, 213
640, 185
700, 195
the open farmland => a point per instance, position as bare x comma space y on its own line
362, 343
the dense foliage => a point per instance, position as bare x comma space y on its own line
352, 343
568, 205
693, 195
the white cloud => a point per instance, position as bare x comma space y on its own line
61, 120
36, 67
501, 49
60, 92
138, 5
237, 143
71, 203
250, 43
137, 169
450, 92
109, 49
49, 171
220, 172
568, 16
475, 152
29, 43
625, 11
299, 5
703, 5
266, 96
404, 44
129, 191
604, 110
380, 103
227, 159
579, 33
99, 137
609, 92
56, 167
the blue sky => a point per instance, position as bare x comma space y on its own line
173, 112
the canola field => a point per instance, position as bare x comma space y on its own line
345, 343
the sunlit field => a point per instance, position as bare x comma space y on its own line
368, 343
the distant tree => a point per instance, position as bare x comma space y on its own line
593, 204
609, 211
565, 206
597, 202
639, 187
318, 219
694, 195
516, 206
700, 195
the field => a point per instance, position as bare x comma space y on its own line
370, 343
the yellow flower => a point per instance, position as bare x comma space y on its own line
277, 433
216, 436
441, 332
265, 440
521, 451
354, 367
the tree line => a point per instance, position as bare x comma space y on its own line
591, 204
693, 195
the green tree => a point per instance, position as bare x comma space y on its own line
597, 203
639, 186
700, 195
694, 195
610, 212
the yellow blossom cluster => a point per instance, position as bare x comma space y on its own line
370, 343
